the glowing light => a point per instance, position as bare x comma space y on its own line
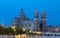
24, 29
14, 30
23, 36
17, 36
38, 32
30, 31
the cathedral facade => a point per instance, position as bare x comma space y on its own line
36, 24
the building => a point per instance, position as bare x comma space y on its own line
36, 24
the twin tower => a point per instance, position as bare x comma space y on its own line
36, 24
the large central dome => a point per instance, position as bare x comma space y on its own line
22, 15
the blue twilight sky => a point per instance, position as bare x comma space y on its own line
9, 9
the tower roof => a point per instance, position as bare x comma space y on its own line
43, 14
36, 15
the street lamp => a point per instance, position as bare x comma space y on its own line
23, 29
24, 35
13, 27
30, 31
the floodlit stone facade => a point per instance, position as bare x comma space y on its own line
36, 24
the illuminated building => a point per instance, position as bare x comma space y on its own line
35, 24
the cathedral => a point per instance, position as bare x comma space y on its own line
36, 24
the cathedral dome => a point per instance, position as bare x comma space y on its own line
22, 15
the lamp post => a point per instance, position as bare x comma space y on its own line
24, 35
23, 30
13, 27
30, 31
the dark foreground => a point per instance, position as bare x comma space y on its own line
29, 36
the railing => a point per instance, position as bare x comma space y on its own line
52, 34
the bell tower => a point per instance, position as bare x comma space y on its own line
36, 15
43, 20
36, 21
